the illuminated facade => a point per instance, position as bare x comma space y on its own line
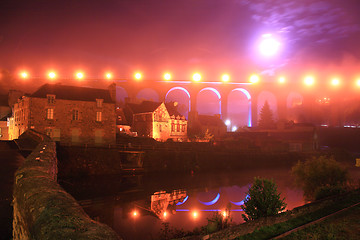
157, 120
71, 115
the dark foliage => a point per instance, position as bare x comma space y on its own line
262, 200
266, 120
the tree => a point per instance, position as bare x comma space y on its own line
266, 120
262, 200
320, 177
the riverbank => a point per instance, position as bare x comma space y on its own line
274, 227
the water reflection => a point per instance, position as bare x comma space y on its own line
185, 202
163, 202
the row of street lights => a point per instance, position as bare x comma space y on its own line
308, 80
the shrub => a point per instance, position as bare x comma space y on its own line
262, 200
319, 175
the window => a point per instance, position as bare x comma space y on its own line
183, 127
51, 99
98, 116
99, 102
75, 135
50, 113
178, 127
173, 127
75, 115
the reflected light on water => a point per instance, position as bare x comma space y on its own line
195, 214
134, 213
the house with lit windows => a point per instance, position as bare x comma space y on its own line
68, 114
156, 120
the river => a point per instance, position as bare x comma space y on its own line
136, 212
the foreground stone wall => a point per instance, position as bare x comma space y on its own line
42, 209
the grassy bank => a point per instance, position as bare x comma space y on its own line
271, 227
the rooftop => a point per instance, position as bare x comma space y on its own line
73, 93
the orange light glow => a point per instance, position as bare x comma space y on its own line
282, 80
52, 75
137, 76
196, 77
225, 78
79, 75
224, 214
167, 76
309, 80
254, 79
108, 75
134, 213
358, 82
24, 75
165, 214
195, 214
335, 82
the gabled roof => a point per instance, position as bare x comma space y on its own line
120, 117
208, 120
143, 107
172, 110
73, 93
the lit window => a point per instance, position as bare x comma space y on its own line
99, 102
173, 127
75, 115
98, 116
183, 128
50, 113
178, 127
51, 99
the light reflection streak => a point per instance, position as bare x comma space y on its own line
179, 203
211, 202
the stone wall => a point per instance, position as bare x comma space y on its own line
42, 209
31, 113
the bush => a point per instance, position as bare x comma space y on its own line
262, 200
320, 175
328, 191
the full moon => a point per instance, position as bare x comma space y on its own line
268, 46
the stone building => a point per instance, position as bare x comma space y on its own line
69, 114
201, 124
156, 120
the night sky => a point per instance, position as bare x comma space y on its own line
180, 36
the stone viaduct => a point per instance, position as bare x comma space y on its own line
284, 94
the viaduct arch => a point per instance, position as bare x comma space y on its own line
221, 90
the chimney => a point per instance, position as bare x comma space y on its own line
112, 90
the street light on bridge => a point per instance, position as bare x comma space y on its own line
137, 76
167, 76
309, 80
196, 77
282, 80
24, 75
52, 75
79, 75
254, 78
358, 82
108, 75
225, 78
335, 82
